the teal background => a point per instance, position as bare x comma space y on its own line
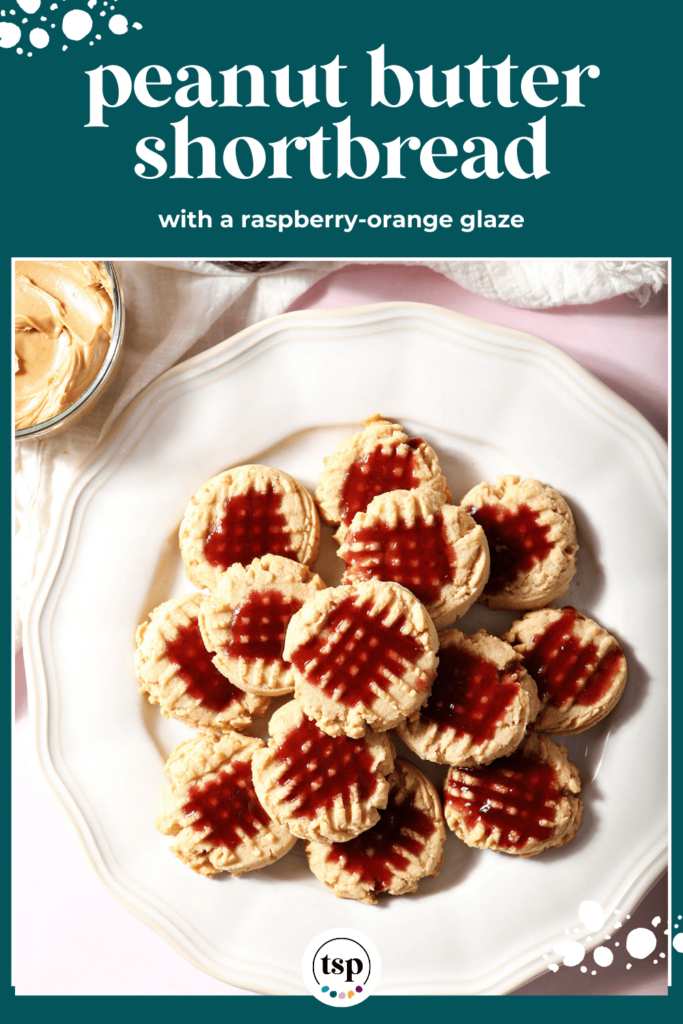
612, 164
612, 191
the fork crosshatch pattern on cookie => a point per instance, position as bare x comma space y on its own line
416, 555
412, 538
385, 849
213, 811
521, 804
362, 659
251, 525
403, 847
195, 667
516, 542
379, 459
376, 473
177, 671
532, 541
565, 669
481, 703
259, 625
245, 513
355, 652
515, 797
245, 618
579, 668
470, 694
227, 806
319, 769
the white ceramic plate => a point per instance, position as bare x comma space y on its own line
284, 392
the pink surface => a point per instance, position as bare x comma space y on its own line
626, 346
70, 936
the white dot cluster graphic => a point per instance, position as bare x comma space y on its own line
71, 20
639, 943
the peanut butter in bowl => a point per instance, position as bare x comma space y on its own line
68, 314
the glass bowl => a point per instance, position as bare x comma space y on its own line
107, 371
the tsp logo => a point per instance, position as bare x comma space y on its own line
341, 967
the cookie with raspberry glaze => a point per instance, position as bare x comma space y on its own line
245, 513
379, 458
481, 703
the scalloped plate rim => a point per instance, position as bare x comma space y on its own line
109, 448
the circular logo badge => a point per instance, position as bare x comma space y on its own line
341, 967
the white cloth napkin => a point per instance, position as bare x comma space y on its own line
536, 284
176, 309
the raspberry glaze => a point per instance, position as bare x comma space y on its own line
259, 625
566, 670
252, 525
515, 794
379, 853
228, 805
470, 694
321, 768
356, 651
376, 473
418, 556
516, 542
202, 680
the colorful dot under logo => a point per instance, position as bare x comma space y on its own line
333, 994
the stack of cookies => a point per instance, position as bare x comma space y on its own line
370, 657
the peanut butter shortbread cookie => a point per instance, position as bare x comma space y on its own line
377, 459
245, 620
521, 804
213, 810
435, 550
579, 669
532, 540
404, 846
323, 788
176, 672
242, 514
363, 655
480, 706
